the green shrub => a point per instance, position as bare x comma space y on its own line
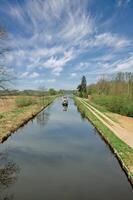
1, 115
24, 101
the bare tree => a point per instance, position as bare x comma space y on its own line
5, 74
2, 38
42, 89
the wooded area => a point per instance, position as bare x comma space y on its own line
115, 93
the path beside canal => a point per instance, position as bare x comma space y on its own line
122, 133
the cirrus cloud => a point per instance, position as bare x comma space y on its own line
53, 36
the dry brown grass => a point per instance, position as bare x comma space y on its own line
12, 117
7, 103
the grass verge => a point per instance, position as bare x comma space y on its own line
123, 152
10, 121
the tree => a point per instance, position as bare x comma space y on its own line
61, 92
103, 85
42, 89
82, 88
52, 91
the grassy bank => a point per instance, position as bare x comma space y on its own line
24, 108
122, 151
117, 104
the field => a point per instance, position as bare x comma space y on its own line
7, 103
17, 110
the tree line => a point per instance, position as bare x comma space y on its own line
120, 84
115, 93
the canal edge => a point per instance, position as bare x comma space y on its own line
114, 151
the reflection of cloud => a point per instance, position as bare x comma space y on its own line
50, 159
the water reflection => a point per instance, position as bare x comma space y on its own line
82, 113
63, 159
9, 171
43, 118
65, 108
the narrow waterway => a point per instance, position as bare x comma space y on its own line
60, 156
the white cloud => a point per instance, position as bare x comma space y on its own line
125, 64
121, 3
73, 74
79, 25
110, 40
29, 75
82, 66
105, 40
24, 75
43, 81
51, 34
104, 58
34, 75
39, 81
56, 27
57, 64
51, 80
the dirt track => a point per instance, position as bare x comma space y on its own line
122, 132
123, 121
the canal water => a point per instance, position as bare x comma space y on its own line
60, 156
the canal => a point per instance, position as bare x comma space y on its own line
60, 156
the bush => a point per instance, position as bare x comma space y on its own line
52, 91
1, 115
24, 101
115, 104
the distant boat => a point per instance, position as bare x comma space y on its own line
65, 101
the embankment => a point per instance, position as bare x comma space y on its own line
122, 151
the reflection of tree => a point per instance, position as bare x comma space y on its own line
43, 118
82, 113
7, 197
8, 176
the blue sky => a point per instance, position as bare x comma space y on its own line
55, 42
